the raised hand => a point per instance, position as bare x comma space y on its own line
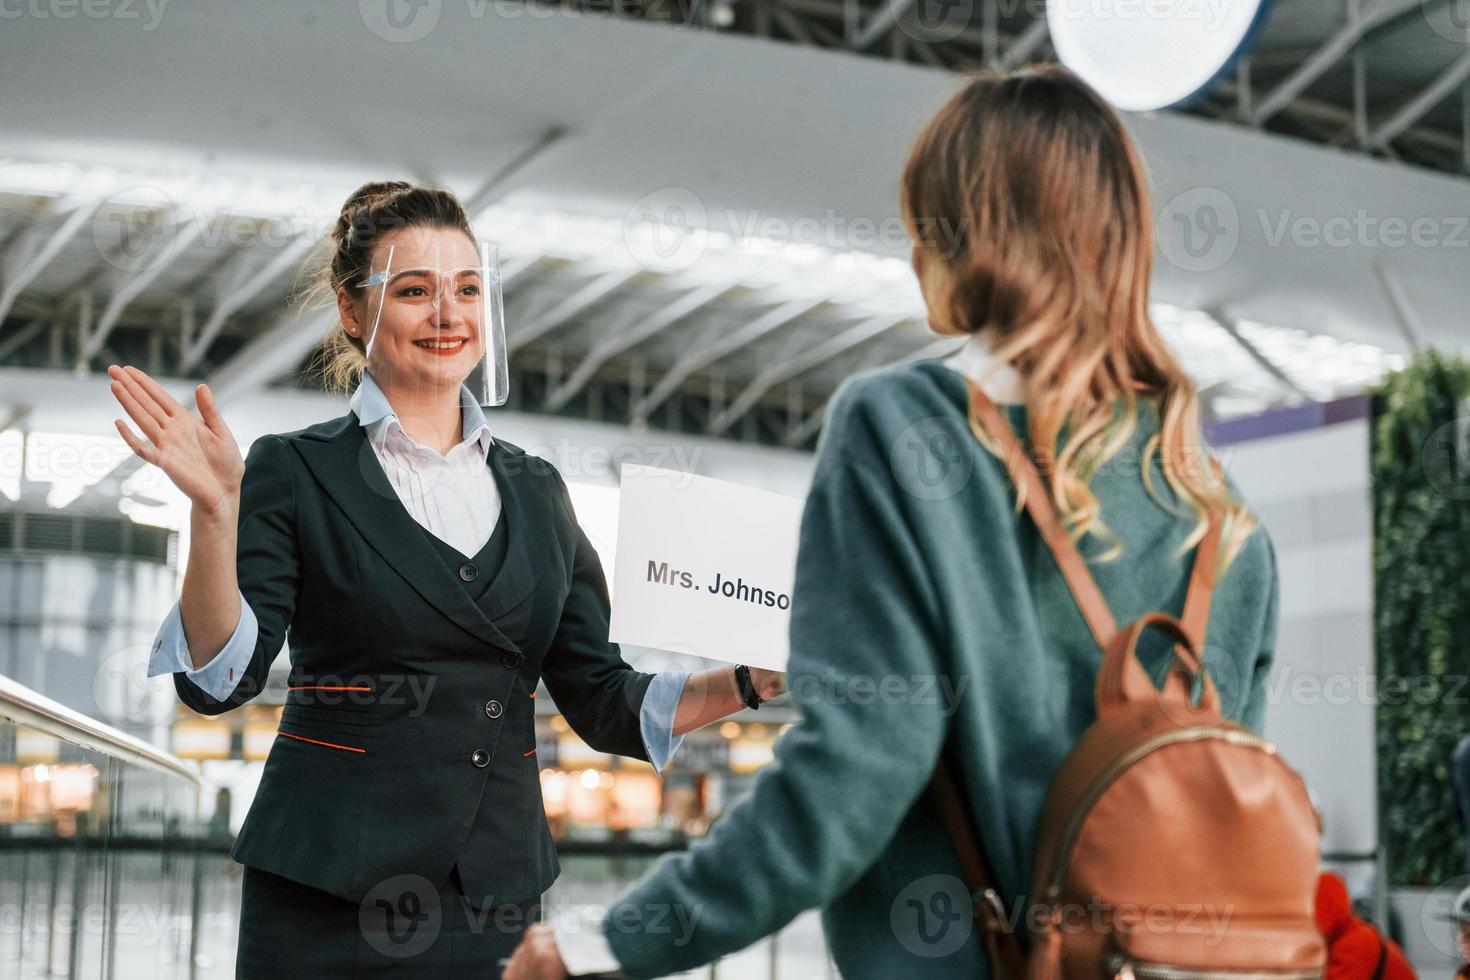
199, 454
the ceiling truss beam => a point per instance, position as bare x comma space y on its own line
821, 353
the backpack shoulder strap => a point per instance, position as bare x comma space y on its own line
1074, 569
1196, 615
1002, 946
1038, 502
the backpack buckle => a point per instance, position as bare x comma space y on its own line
989, 900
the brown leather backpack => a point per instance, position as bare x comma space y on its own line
1174, 844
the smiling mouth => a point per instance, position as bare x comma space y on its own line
441, 344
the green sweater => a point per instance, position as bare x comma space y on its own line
923, 603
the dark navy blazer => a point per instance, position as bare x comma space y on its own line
407, 743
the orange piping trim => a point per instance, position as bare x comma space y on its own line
524, 754
314, 741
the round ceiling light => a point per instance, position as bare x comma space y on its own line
1151, 54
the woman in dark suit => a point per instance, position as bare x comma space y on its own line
398, 821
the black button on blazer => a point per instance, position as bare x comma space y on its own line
387, 755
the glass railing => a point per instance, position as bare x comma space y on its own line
106, 870
100, 872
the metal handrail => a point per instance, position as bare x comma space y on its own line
24, 706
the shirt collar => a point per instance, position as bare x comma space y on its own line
998, 379
376, 415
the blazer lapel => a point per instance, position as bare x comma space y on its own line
525, 515
348, 470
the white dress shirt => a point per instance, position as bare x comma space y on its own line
996, 378
454, 496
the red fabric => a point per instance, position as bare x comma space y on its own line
1352, 944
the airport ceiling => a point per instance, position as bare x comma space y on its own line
160, 198
1381, 77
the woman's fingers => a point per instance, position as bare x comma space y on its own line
140, 415
143, 398
209, 412
144, 452
166, 402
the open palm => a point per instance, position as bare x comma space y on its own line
199, 454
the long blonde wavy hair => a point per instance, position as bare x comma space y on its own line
1028, 206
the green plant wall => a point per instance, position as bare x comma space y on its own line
1421, 565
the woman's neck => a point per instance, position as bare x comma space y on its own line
429, 415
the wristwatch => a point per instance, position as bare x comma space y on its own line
746, 687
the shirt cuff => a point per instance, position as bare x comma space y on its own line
656, 718
219, 677
583, 947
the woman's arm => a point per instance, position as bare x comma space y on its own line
209, 604
865, 616
597, 691
267, 565
1253, 716
711, 695
241, 583
202, 459
602, 696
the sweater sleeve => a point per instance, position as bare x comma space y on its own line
865, 643
1254, 715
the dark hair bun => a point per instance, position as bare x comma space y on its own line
367, 198
380, 207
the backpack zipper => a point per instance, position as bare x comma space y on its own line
1106, 779
1124, 968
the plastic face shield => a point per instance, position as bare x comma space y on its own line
435, 316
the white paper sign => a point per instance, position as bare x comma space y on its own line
704, 566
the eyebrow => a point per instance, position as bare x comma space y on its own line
472, 271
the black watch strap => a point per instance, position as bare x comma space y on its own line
746, 687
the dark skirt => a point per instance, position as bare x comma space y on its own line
406, 927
